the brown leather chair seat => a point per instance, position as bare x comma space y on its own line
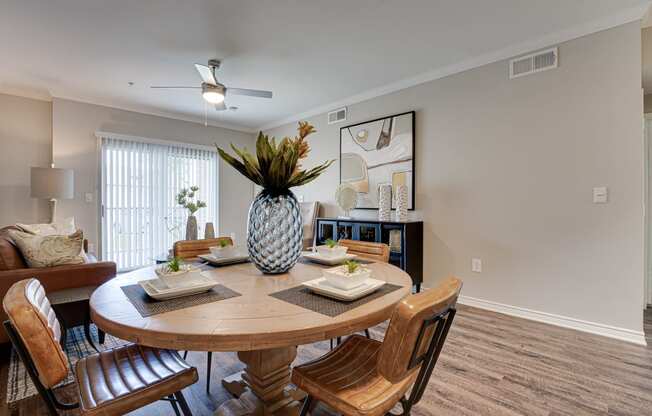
112, 382
127, 378
363, 377
349, 377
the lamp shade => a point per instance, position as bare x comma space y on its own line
52, 183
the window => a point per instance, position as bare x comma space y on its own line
140, 180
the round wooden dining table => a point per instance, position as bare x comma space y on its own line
265, 331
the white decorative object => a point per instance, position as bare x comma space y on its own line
191, 284
385, 202
223, 252
346, 197
402, 203
340, 277
329, 261
237, 257
333, 252
322, 287
163, 272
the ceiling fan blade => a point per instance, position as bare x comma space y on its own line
206, 74
171, 87
221, 106
251, 93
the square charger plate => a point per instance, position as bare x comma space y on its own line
223, 261
322, 287
189, 284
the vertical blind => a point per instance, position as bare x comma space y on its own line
140, 180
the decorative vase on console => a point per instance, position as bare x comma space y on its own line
402, 203
274, 225
209, 230
188, 198
385, 202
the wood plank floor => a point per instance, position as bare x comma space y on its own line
492, 364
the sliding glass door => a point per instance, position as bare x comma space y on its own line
140, 180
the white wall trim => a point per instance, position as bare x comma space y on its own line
625, 16
107, 134
628, 335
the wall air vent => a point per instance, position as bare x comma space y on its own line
533, 63
337, 116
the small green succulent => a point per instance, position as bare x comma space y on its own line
351, 266
174, 265
330, 243
224, 243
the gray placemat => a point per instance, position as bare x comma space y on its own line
148, 306
304, 297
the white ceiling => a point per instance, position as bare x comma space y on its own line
311, 53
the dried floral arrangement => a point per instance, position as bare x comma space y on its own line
277, 167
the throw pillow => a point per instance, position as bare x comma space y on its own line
63, 227
50, 250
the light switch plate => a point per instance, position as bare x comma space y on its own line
476, 265
88, 197
600, 195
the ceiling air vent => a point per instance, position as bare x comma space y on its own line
533, 63
337, 116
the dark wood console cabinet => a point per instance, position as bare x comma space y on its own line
405, 240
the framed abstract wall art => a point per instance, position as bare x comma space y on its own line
378, 152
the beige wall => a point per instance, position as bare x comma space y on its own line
75, 146
25, 139
505, 171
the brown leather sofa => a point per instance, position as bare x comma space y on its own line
13, 268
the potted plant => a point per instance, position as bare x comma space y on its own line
348, 276
274, 226
224, 249
174, 268
188, 198
331, 249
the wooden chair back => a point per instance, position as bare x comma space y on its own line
33, 321
187, 249
367, 250
416, 334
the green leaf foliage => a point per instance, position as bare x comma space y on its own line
276, 167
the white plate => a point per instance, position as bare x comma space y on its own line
329, 261
322, 287
188, 284
222, 261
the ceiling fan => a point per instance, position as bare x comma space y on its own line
213, 91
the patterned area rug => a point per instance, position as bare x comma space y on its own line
20, 386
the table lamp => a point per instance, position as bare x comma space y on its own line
52, 183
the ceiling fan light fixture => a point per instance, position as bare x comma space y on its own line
213, 94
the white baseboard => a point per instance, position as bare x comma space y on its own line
622, 334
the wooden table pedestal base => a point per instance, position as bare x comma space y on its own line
267, 380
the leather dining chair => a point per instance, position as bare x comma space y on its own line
190, 249
365, 377
367, 250
111, 382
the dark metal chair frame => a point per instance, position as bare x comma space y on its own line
427, 360
47, 394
